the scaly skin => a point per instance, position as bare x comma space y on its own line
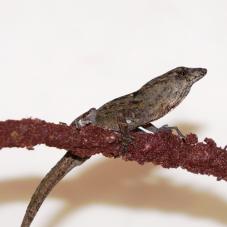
152, 101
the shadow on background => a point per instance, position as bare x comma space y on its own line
125, 184
119, 183
188, 128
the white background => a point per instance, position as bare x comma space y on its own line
59, 58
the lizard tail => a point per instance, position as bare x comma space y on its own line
67, 162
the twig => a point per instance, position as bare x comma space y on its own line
163, 148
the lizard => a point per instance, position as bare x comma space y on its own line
124, 114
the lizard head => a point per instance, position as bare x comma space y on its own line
191, 75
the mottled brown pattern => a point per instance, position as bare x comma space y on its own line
152, 101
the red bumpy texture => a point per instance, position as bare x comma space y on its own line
163, 148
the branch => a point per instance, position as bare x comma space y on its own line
162, 148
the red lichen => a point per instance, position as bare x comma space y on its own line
162, 148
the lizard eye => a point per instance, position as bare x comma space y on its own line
181, 74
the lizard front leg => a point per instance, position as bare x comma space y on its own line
67, 163
154, 129
123, 126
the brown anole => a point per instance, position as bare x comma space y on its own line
152, 101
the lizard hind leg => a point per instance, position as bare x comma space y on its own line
86, 118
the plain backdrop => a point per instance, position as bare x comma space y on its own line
60, 58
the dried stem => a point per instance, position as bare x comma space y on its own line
163, 148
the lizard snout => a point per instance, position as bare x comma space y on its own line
197, 74
202, 71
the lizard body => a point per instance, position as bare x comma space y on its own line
150, 102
